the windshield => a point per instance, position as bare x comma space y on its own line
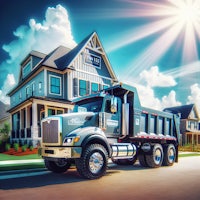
89, 105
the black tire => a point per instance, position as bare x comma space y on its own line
93, 162
155, 159
169, 155
142, 160
130, 161
57, 167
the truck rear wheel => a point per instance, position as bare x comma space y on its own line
57, 167
142, 160
93, 162
169, 155
155, 159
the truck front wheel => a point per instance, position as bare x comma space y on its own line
93, 162
57, 166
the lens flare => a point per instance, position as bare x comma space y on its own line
174, 22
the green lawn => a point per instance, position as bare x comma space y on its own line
189, 154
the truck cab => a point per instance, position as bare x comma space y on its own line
109, 124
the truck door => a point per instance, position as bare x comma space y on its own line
112, 119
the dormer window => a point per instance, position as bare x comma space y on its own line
26, 69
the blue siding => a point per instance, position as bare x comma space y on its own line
21, 94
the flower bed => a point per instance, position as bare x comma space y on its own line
12, 151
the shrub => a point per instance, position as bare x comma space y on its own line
31, 148
24, 148
16, 146
7, 147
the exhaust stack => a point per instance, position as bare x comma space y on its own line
125, 116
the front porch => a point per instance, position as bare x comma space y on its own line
191, 138
26, 119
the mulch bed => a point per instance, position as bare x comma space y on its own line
20, 152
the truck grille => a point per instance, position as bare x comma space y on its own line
50, 132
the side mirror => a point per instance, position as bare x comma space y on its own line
113, 107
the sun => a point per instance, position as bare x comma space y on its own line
187, 12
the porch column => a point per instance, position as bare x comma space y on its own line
26, 116
34, 127
20, 124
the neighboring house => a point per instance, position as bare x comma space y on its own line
48, 84
189, 123
4, 117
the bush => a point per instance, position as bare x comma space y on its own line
16, 146
24, 148
31, 148
7, 147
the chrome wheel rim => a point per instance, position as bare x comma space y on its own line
157, 156
96, 162
171, 155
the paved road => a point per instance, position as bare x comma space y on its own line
182, 181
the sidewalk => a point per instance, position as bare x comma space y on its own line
10, 162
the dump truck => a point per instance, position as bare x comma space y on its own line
109, 125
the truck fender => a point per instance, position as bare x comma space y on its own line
97, 139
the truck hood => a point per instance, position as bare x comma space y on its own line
72, 121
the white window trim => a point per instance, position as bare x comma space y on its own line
50, 75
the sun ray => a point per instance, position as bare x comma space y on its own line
151, 54
140, 33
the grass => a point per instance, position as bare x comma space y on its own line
22, 166
189, 154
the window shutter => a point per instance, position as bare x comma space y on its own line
88, 87
75, 87
100, 87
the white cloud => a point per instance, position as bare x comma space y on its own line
148, 98
8, 84
155, 78
195, 95
53, 31
170, 100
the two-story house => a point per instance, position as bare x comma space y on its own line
49, 83
189, 123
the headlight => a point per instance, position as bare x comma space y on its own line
71, 140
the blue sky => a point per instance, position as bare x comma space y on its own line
153, 45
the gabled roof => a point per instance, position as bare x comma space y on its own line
51, 59
62, 57
64, 61
3, 109
184, 110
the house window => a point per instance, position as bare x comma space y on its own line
82, 87
33, 88
52, 111
26, 69
40, 86
27, 92
55, 84
189, 124
94, 87
105, 86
